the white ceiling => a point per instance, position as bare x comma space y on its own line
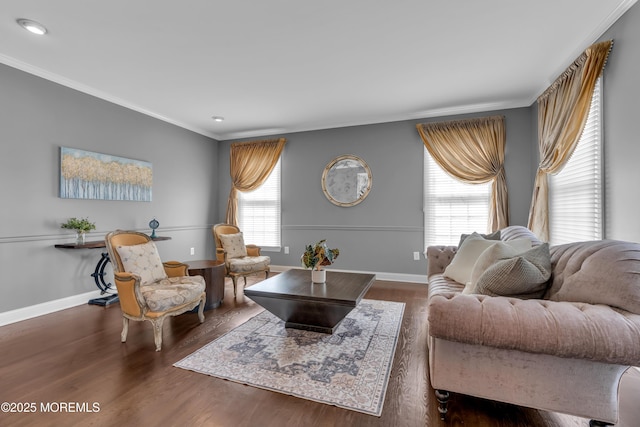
279, 66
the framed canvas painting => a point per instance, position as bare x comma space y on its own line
89, 175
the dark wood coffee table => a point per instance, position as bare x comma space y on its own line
305, 305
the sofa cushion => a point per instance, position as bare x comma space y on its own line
563, 329
598, 272
172, 292
233, 244
462, 263
144, 261
502, 270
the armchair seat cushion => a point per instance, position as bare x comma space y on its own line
171, 292
248, 264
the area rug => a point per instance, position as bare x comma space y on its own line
349, 369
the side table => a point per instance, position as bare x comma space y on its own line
213, 273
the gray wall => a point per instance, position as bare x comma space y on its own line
190, 192
381, 233
36, 118
622, 129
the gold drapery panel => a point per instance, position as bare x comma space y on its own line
472, 151
562, 113
251, 164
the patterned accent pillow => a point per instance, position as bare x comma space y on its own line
144, 261
234, 245
490, 256
521, 276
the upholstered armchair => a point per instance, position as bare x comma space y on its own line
149, 289
240, 260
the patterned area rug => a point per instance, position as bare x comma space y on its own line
349, 369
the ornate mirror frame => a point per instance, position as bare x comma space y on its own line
346, 180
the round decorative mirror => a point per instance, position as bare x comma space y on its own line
346, 180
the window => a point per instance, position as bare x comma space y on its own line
259, 213
575, 193
451, 207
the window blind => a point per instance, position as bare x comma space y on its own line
575, 193
259, 213
451, 207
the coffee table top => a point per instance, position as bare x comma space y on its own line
340, 287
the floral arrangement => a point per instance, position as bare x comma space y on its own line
318, 255
80, 225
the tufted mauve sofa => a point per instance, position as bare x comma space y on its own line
563, 352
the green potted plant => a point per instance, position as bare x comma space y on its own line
317, 256
81, 226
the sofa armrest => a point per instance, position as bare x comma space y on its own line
563, 329
438, 258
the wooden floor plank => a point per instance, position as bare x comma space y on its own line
75, 355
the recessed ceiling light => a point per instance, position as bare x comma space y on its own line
32, 26
218, 118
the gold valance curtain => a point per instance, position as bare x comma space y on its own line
251, 164
472, 151
562, 113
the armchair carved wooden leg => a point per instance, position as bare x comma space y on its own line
125, 329
157, 332
203, 301
234, 279
443, 398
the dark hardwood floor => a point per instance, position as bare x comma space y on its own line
75, 355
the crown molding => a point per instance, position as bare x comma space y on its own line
592, 38
56, 78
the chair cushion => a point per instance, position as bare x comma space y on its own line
171, 292
233, 244
504, 271
144, 261
462, 264
249, 264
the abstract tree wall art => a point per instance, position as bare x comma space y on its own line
88, 175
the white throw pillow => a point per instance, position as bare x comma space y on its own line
144, 261
234, 245
462, 263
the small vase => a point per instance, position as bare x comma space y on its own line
80, 237
318, 276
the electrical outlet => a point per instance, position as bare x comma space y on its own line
193, 251
286, 250
416, 256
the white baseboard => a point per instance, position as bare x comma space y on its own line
25, 313
394, 277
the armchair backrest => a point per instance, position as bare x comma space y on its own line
219, 229
122, 238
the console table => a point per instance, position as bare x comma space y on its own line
98, 274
